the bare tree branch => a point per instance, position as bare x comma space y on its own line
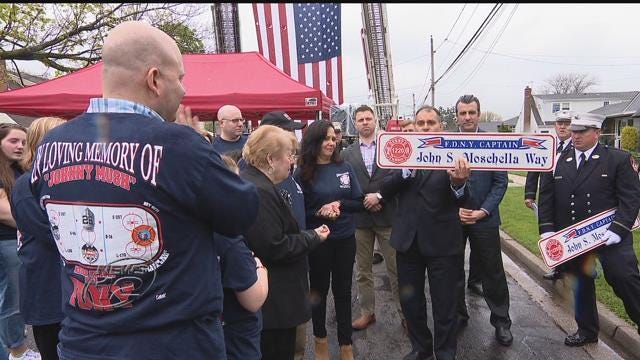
570, 83
18, 72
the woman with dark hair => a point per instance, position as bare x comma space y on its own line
331, 191
13, 139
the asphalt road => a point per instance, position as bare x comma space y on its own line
540, 325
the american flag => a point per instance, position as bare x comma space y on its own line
304, 41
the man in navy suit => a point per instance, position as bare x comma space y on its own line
427, 235
481, 221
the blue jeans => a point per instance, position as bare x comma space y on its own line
11, 322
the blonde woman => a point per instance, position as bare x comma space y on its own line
277, 240
39, 275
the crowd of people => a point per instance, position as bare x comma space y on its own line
141, 236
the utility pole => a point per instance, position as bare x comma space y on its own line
433, 84
414, 103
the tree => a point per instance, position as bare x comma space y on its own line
69, 36
629, 138
187, 40
448, 115
488, 116
569, 83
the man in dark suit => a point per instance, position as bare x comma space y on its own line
373, 224
561, 125
481, 221
587, 180
427, 235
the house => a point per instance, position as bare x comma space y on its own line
617, 116
489, 126
538, 113
511, 123
530, 120
549, 104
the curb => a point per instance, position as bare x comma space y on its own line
614, 328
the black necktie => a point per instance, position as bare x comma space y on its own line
583, 160
560, 146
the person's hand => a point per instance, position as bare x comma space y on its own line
322, 231
460, 173
375, 208
611, 238
370, 200
529, 203
468, 216
546, 235
184, 117
330, 211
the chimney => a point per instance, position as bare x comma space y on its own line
526, 123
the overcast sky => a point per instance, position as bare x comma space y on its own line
540, 40
545, 39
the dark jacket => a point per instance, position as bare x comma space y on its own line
488, 189
533, 178
606, 180
277, 241
370, 184
427, 211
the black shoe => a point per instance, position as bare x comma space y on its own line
377, 258
475, 288
578, 340
503, 335
553, 275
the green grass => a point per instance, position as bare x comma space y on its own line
520, 223
521, 173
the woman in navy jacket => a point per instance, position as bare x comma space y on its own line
331, 192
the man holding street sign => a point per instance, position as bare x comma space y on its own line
587, 180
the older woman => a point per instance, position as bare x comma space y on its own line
331, 191
278, 241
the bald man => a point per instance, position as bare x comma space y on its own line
231, 128
133, 201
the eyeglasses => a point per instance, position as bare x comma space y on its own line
235, 121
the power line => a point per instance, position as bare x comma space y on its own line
471, 41
484, 57
454, 25
446, 57
548, 62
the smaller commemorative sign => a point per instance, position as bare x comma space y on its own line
577, 239
483, 151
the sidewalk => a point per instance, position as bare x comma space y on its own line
612, 328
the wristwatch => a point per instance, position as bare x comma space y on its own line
379, 196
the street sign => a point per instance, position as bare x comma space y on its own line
577, 239
483, 151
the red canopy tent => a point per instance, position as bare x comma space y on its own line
246, 80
